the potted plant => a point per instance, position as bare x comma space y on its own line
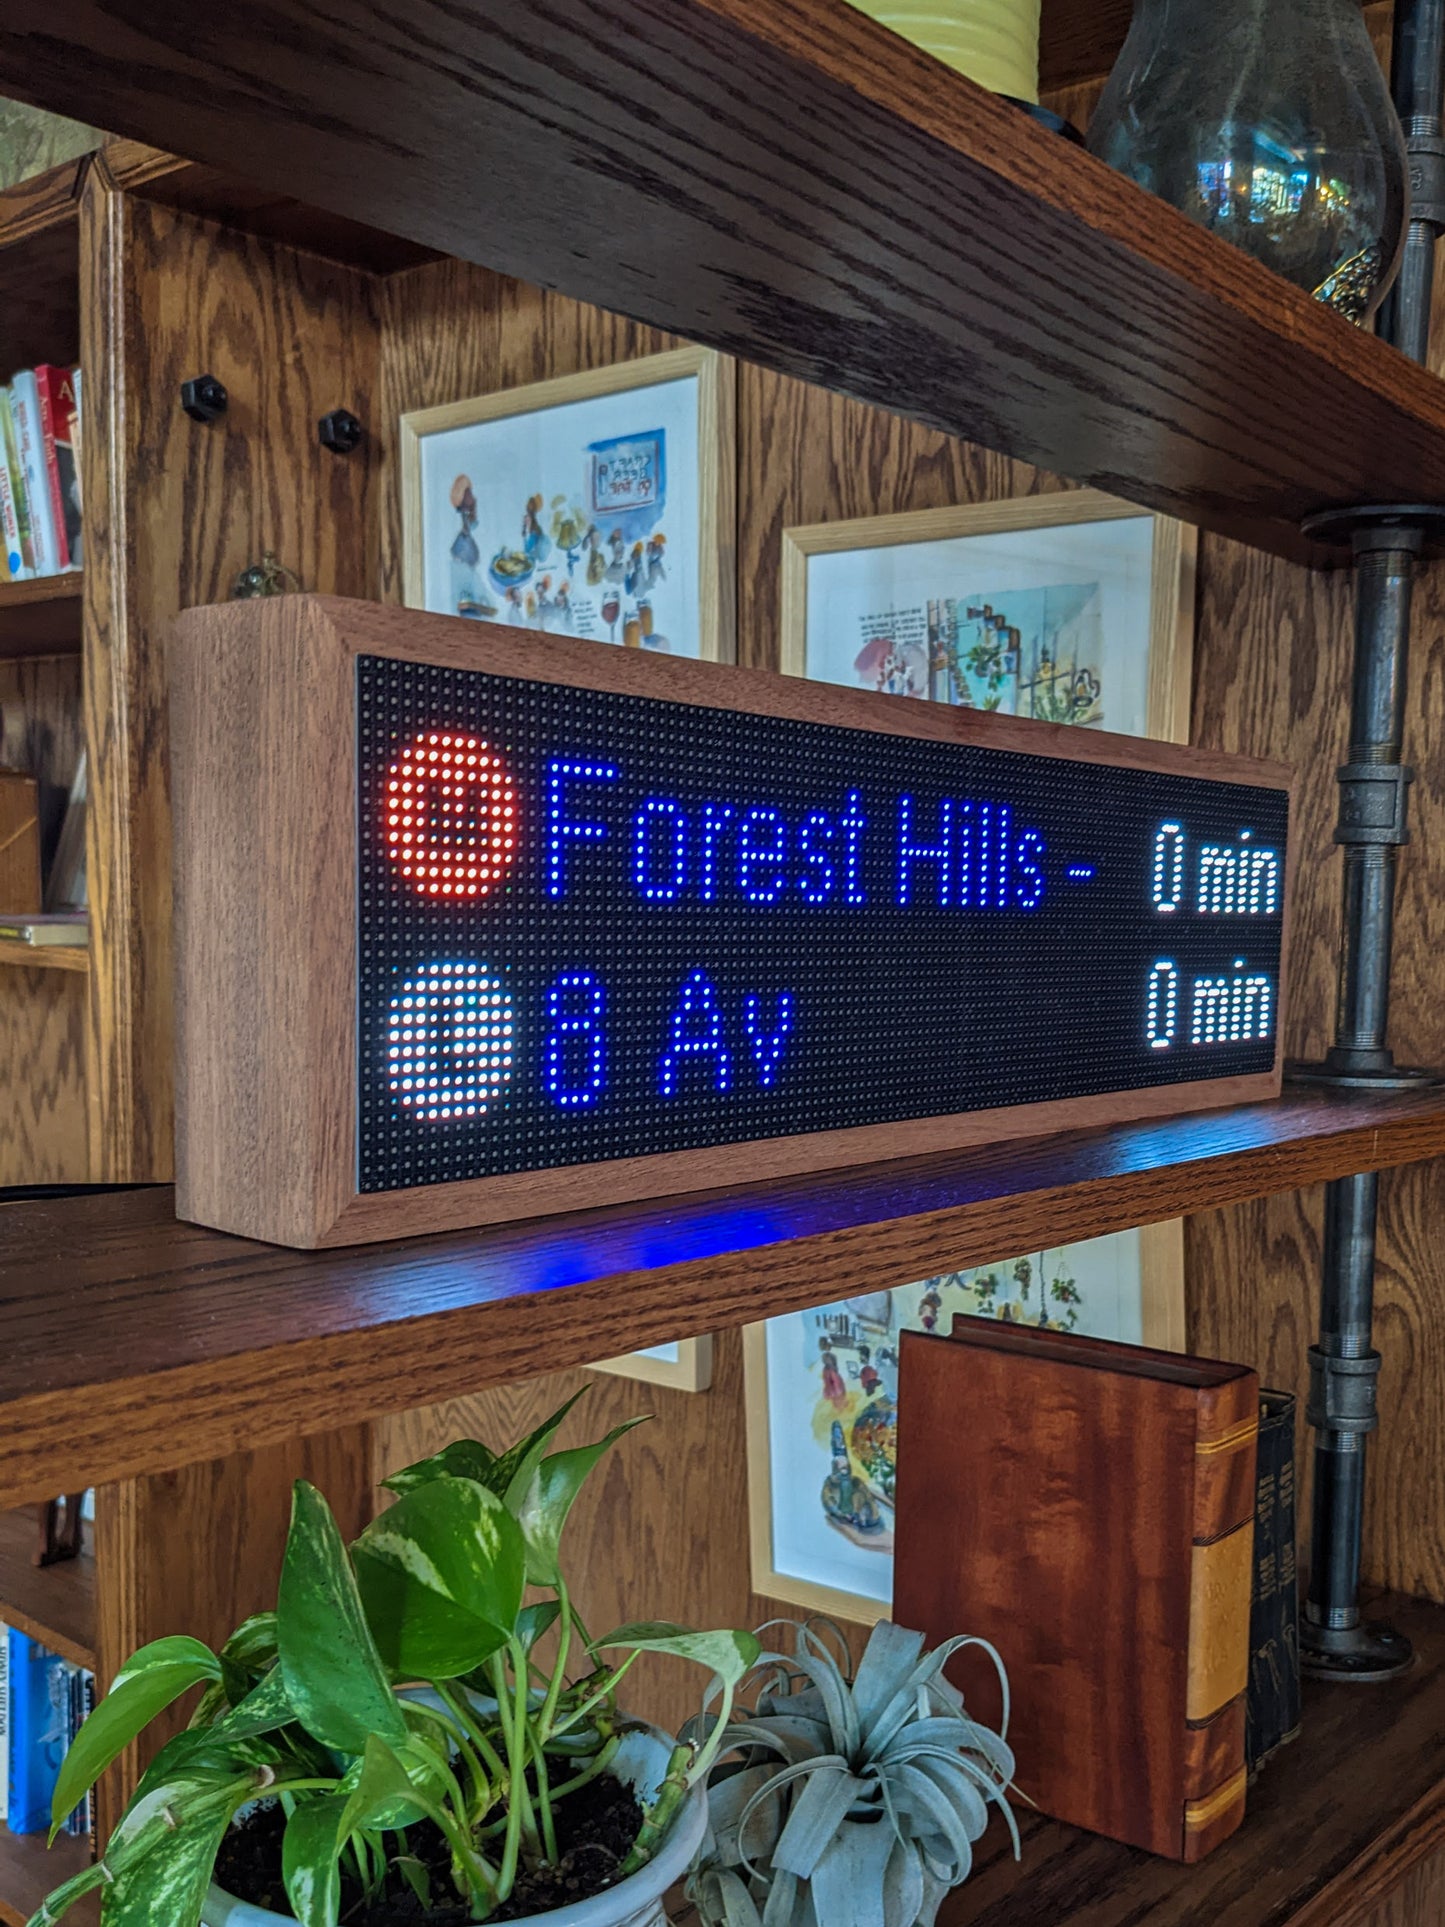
848, 1801
392, 1744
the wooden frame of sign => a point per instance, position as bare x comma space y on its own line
264, 782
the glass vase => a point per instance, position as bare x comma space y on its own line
1270, 123
994, 42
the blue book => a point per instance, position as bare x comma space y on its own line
39, 1731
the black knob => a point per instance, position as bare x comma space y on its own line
339, 431
204, 398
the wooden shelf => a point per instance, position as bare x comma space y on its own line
28, 1872
130, 1342
45, 956
808, 191
40, 617
1334, 1821
54, 1604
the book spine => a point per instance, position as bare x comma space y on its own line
1274, 1680
1221, 1570
18, 495
4, 1719
56, 387
9, 513
30, 447
38, 1724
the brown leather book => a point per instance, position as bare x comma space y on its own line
1089, 1509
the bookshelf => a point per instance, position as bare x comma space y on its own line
28, 1872
54, 1604
41, 956
40, 617
925, 253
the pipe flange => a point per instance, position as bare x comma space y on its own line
1379, 525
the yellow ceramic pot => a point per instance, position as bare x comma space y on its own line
995, 42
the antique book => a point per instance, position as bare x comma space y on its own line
1272, 1709
1089, 1509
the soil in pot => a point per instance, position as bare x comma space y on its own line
595, 1827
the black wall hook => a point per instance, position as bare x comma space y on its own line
340, 431
204, 398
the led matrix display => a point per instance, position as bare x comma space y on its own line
596, 925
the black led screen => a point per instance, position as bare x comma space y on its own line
596, 926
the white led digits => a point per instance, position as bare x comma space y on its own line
1231, 1010
1163, 1003
450, 1041
449, 815
574, 1059
1238, 879
1168, 866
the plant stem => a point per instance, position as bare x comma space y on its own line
469, 1737
559, 1668
544, 1800
658, 1817
579, 1713
598, 1764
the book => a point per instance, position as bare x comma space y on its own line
1272, 1708
30, 448
56, 388
65, 886
4, 1718
39, 1725
45, 928
19, 559
81, 1681
1089, 1509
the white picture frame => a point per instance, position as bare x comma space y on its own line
1129, 1286
599, 504
685, 1364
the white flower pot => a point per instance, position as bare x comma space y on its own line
640, 1762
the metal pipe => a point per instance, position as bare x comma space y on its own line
1374, 786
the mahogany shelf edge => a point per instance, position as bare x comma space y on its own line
197, 1344
28, 1872
54, 1604
807, 191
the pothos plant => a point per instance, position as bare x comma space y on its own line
398, 1681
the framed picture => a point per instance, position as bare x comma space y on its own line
822, 1400
1073, 607
599, 505
685, 1365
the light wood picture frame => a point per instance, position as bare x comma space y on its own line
1165, 613
1172, 548
685, 1365
655, 567
1154, 1254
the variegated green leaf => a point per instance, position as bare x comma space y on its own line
549, 1495
265, 1709
729, 1653
311, 1860
169, 1882
442, 1573
462, 1459
145, 1685
329, 1662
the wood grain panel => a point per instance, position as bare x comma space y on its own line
805, 190
174, 511
40, 617
196, 1549
42, 1042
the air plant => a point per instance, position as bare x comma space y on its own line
850, 1801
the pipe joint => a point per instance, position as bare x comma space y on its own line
1342, 1393
1374, 798
1427, 179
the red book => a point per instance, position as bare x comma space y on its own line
58, 425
